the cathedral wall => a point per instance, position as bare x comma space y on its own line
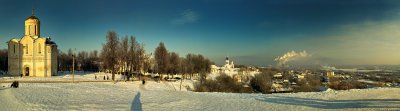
26, 63
40, 58
54, 60
13, 58
52, 54
26, 44
40, 68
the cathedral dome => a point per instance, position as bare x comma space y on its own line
32, 26
32, 17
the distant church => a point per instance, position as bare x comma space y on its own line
228, 68
32, 55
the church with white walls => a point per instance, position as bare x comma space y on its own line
227, 68
32, 55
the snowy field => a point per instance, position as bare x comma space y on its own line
165, 96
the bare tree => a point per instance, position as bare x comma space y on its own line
197, 64
161, 57
65, 61
147, 63
110, 52
124, 54
92, 62
81, 60
141, 56
136, 57
174, 63
4, 59
130, 54
133, 44
189, 64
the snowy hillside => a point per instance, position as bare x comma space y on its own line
166, 96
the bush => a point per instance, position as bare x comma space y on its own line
345, 84
222, 83
311, 83
262, 82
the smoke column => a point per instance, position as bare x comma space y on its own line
291, 56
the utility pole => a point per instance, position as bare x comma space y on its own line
73, 66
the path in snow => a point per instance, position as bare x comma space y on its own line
169, 84
8, 99
141, 87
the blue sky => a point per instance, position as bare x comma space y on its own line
251, 32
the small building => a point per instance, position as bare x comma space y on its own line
330, 73
278, 76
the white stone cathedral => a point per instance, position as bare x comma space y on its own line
228, 68
32, 55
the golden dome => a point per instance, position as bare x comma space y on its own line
32, 17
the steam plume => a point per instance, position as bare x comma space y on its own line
291, 56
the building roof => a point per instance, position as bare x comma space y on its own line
49, 41
32, 17
14, 40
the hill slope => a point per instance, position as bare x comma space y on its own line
160, 96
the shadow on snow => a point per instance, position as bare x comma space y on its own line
136, 105
333, 104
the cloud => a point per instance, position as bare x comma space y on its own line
187, 16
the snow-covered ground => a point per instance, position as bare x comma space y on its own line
166, 96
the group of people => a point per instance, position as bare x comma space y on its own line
104, 77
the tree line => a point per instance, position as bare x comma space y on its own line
84, 61
125, 55
3, 60
171, 63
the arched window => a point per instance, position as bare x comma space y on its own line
40, 49
26, 47
14, 48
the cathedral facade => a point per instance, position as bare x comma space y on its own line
32, 55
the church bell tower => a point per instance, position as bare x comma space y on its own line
32, 26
